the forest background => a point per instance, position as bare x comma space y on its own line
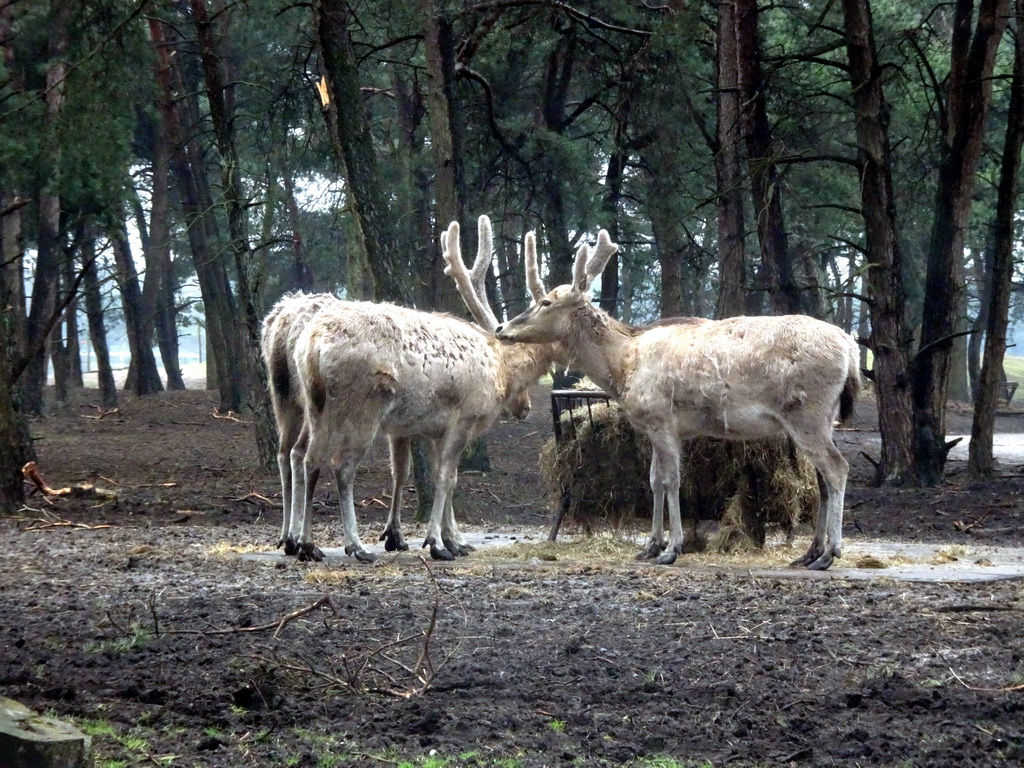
167, 163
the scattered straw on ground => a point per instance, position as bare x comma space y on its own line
229, 549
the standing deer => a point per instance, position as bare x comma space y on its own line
365, 368
742, 378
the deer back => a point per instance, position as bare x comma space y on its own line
416, 367
738, 375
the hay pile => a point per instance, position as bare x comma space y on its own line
599, 476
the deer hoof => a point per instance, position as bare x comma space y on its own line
823, 563
436, 552
291, 546
812, 556
456, 548
309, 553
667, 557
364, 557
651, 551
393, 541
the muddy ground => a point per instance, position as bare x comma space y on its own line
138, 618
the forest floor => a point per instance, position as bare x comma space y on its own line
160, 620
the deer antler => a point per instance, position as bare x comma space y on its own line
580, 281
590, 263
601, 254
471, 286
484, 254
533, 280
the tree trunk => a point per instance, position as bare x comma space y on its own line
765, 182
884, 280
728, 174
12, 270
349, 129
445, 145
969, 97
97, 328
146, 379
554, 98
160, 312
980, 462
44, 283
220, 98
189, 169
302, 274
74, 348
982, 276
670, 237
60, 341
614, 179
513, 297
15, 441
417, 221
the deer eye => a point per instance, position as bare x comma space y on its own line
545, 302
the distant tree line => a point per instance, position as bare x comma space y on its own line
855, 161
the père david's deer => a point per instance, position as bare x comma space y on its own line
365, 368
281, 329
742, 378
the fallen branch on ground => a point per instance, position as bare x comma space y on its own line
31, 473
985, 690
44, 524
103, 413
254, 497
378, 669
277, 626
229, 416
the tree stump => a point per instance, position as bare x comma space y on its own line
28, 740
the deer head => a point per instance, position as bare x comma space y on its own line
472, 285
547, 321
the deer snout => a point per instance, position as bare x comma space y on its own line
518, 408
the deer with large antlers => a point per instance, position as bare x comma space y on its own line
364, 368
742, 378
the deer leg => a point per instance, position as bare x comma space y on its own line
344, 476
446, 476
290, 458
452, 537
656, 542
832, 466
400, 461
301, 535
817, 547
835, 481
284, 470
669, 468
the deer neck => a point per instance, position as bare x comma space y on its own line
601, 347
524, 364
